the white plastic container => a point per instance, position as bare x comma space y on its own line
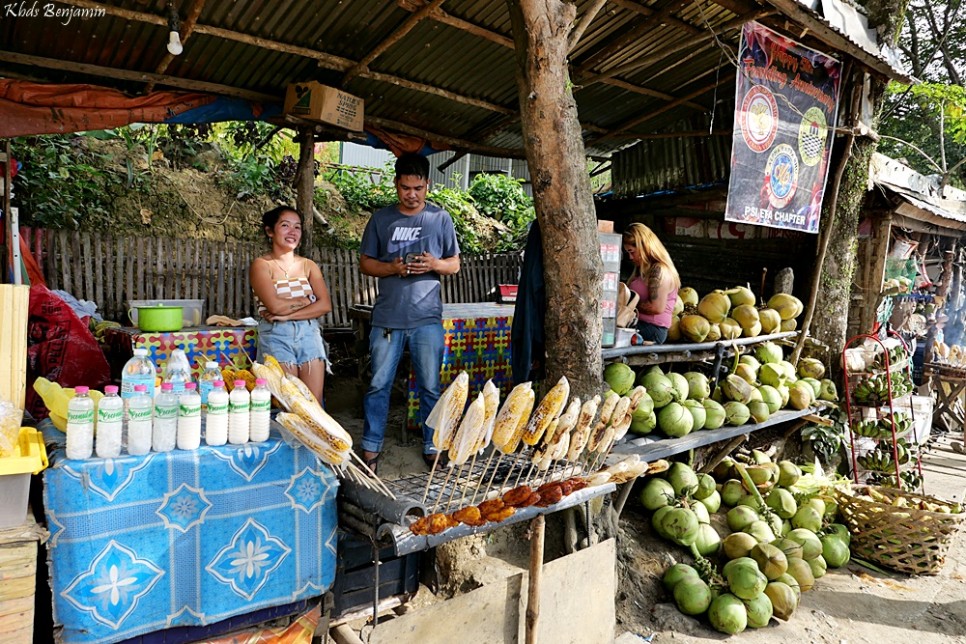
261, 411
177, 371
164, 433
139, 370
28, 457
239, 409
206, 382
110, 424
189, 418
216, 418
80, 425
139, 412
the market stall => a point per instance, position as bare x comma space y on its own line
186, 538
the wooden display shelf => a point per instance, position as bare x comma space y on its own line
651, 448
693, 352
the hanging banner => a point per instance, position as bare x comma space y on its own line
785, 112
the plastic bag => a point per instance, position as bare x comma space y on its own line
298, 632
10, 418
60, 348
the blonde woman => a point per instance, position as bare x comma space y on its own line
654, 279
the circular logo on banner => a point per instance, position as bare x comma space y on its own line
812, 134
782, 172
759, 118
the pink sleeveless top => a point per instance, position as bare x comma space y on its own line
662, 319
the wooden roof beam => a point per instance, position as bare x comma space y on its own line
670, 51
439, 15
460, 144
187, 27
408, 25
630, 87
140, 77
624, 128
630, 5
588, 17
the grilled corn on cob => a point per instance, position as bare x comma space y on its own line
581, 431
548, 409
470, 430
491, 400
325, 426
445, 416
308, 436
512, 417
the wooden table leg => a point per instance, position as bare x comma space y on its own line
537, 530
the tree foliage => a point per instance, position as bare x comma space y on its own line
925, 123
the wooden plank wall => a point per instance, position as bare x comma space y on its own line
112, 271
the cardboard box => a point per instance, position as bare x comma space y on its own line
605, 226
318, 102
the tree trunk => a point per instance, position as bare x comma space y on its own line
838, 269
562, 193
305, 187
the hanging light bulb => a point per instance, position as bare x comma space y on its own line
174, 43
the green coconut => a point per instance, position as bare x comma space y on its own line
675, 420
714, 306
619, 377
736, 413
768, 353
694, 328
714, 414
698, 414
688, 295
699, 387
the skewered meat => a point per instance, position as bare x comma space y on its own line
517, 495
470, 515
533, 499
446, 413
499, 515
551, 495
548, 409
512, 418
433, 524
492, 505
577, 483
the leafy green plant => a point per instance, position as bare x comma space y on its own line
460, 206
368, 190
826, 441
62, 184
502, 198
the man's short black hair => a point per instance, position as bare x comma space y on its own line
413, 165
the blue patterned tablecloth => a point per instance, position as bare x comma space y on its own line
144, 543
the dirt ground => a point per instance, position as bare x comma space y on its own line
849, 605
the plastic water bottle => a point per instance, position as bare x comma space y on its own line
239, 404
261, 415
177, 371
206, 382
165, 431
80, 425
189, 418
216, 420
139, 409
139, 370
110, 424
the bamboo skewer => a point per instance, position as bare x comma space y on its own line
439, 497
456, 483
372, 476
483, 474
429, 479
466, 487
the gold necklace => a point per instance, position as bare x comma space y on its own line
282, 268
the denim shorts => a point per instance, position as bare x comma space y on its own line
294, 342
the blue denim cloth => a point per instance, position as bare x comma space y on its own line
293, 342
652, 332
426, 344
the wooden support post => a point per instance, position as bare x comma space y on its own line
305, 186
537, 531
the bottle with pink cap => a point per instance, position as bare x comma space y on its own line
261, 414
110, 423
239, 407
165, 431
80, 425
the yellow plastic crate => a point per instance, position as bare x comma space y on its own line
29, 458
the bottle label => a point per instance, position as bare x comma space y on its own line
215, 409
129, 382
139, 415
165, 413
109, 415
235, 407
261, 405
189, 410
80, 417
204, 388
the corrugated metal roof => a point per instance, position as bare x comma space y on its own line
451, 77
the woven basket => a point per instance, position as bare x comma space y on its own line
906, 539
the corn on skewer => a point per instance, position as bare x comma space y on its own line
548, 409
470, 431
446, 413
306, 434
581, 432
491, 399
515, 411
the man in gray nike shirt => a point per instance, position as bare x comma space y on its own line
407, 246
